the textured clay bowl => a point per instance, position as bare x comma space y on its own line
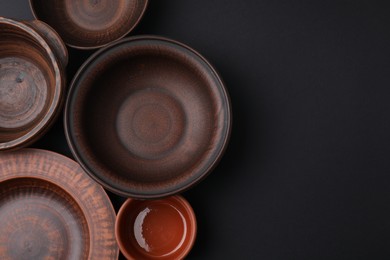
50, 209
156, 229
32, 80
147, 117
88, 24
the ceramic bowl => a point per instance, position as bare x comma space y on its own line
89, 24
50, 209
147, 117
158, 229
32, 80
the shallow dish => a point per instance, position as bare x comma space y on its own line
50, 209
147, 117
88, 24
157, 229
32, 81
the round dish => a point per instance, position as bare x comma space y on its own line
158, 229
89, 24
32, 81
147, 117
50, 209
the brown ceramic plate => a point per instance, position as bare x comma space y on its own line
147, 117
50, 209
88, 24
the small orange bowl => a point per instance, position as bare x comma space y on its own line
156, 229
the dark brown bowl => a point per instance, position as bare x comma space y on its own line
156, 229
50, 209
89, 24
32, 80
147, 117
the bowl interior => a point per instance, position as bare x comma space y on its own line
40, 220
159, 229
27, 82
90, 23
148, 117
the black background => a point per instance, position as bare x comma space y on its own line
306, 174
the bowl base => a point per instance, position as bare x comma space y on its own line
150, 123
23, 92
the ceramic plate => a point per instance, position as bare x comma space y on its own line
50, 209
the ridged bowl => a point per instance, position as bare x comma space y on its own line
32, 81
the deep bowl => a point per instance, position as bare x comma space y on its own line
89, 24
32, 81
147, 117
158, 229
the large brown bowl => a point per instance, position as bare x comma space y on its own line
147, 117
32, 80
89, 24
50, 209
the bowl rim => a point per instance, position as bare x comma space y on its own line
179, 199
57, 99
179, 188
145, 6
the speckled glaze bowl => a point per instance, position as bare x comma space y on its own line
147, 117
90, 24
156, 229
32, 80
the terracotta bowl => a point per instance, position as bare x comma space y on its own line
50, 209
147, 117
88, 24
32, 80
159, 229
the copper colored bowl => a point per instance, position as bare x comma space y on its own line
32, 80
88, 24
147, 117
157, 229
